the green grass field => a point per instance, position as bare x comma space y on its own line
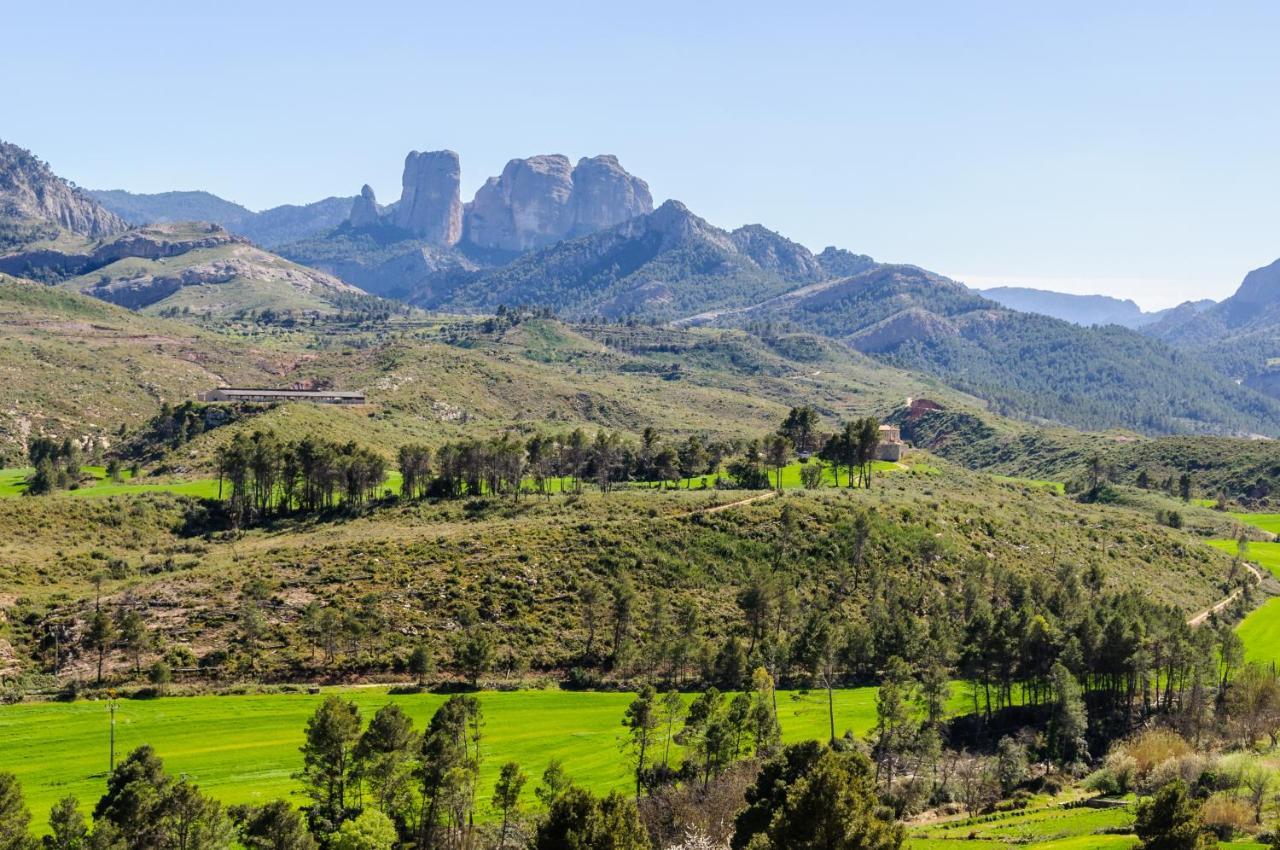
1266, 555
1260, 632
1267, 522
245, 748
13, 482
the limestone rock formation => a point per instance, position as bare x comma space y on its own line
364, 209
430, 204
529, 206
29, 190
604, 194
543, 199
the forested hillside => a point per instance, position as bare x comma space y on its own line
1027, 366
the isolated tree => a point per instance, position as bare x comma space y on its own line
67, 827
623, 610
421, 663
506, 797
329, 762
134, 637
475, 654
692, 458
554, 783
895, 726
778, 452
100, 636
1171, 821
447, 766
642, 719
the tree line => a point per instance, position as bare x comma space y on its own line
385, 785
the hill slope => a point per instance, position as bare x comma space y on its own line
666, 264
1239, 336
1029, 366
36, 204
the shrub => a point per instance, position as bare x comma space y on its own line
1226, 816
1123, 769
1154, 747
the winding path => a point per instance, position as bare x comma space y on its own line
1198, 619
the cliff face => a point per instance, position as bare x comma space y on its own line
30, 190
534, 203
543, 199
430, 205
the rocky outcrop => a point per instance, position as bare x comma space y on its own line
776, 253
234, 260
430, 203
604, 194
364, 209
149, 243
541, 200
30, 190
529, 206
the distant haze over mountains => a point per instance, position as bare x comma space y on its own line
1081, 309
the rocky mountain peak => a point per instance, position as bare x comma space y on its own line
543, 199
430, 204
29, 189
365, 211
1259, 287
604, 194
776, 253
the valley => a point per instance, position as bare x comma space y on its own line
978, 569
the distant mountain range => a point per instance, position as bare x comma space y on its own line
268, 228
584, 240
1081, 309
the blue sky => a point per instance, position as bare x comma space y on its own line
1125, 148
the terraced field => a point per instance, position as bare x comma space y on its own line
1048, 825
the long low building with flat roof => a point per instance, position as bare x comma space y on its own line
265, 395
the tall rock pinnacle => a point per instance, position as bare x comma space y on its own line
430, 203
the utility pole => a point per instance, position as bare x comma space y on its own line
111, 707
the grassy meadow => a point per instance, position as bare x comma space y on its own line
1260, 630
245, 748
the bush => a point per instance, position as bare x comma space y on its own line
1226, 816
1153, 748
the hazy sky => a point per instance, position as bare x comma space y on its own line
1125, 148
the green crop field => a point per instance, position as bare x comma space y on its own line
1260, 632
1267, 522
13, 482
1266, 555
245, 748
